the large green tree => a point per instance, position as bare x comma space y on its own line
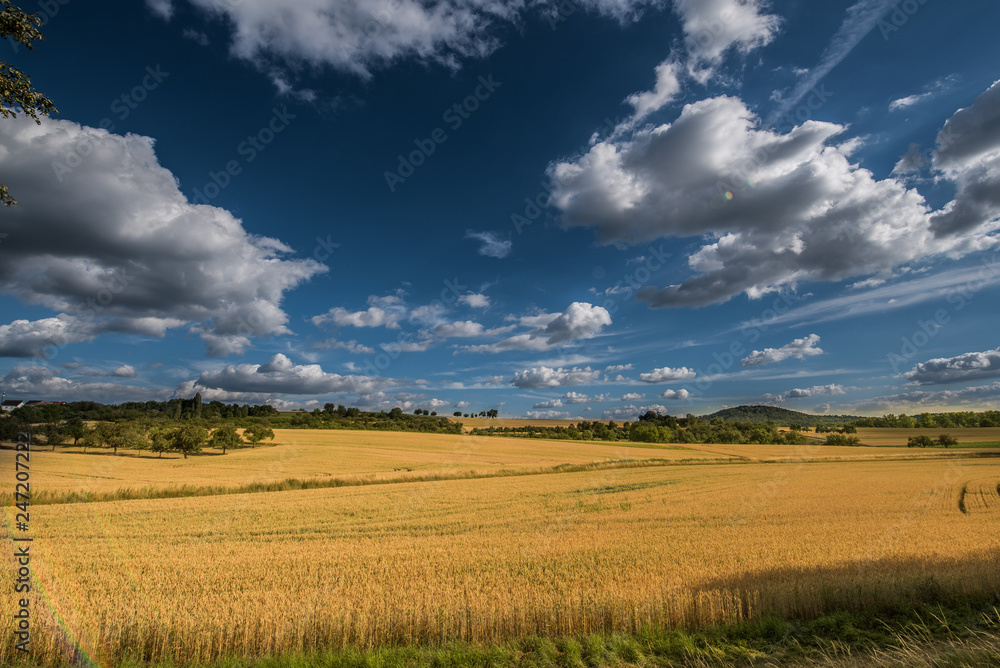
159, 442
256, 433
224, 437
189, 439
16, 91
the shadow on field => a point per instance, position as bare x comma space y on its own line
810, 591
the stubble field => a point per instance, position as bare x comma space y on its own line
616, 549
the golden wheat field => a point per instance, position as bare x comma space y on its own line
891, 436
680, 544
321, 454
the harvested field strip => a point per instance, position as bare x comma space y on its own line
291, 484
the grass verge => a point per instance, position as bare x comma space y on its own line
963, 633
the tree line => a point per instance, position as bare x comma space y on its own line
934, 420
655, 428
157, 437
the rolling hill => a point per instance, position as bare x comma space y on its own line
761, 414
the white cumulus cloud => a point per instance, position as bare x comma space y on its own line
798, 349
543, 376
112, 245
968, 366
667, 375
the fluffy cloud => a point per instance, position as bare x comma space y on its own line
969, 154
816, 391
474, 300
579, 321
668, 87
360, 36
124, 371
908, 101
631, 412
667, 375
778, 208
799, 349
976, 395
113, 246
281, 376
803, 393
547, 415
675, 395
492, 245
618, 368
551, 403
970, 366
408, 402
30, 382
543, 376
466, 329
162, 8
382, 312
711, 27
633, 396
578, 398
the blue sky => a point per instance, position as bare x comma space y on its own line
586, 208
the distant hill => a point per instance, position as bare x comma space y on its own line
761, 414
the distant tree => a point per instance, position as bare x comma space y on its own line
947, 440
197, 406
159, 442
225, 436
837, 439
188, 439
8, 428
492, 413
457, 413
123, 435
16, 91
396, 413
465, 415
419, 411
256, 433
433, 412
921, 441
76, 429
926, 421
91, 439
54, 434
